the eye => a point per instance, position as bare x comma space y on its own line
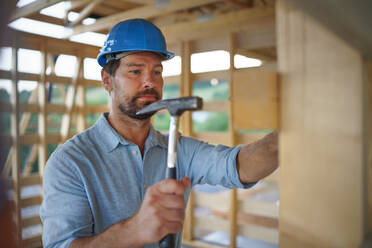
157, 72
135, 72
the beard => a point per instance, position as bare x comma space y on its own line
130, 106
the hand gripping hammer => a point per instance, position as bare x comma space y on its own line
176, 107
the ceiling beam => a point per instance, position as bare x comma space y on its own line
147, 11
31, 8
254, 20
86, 11
77, 4
255, 54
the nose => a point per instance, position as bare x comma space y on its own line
149, 80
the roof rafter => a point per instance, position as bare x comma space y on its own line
254, 20
86, 11
32, 8
147, 11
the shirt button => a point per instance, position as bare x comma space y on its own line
134, 152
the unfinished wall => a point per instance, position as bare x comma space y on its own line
322, 139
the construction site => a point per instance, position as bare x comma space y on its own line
301, 68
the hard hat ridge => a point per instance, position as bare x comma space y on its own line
133, 35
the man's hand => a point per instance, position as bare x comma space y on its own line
162, 212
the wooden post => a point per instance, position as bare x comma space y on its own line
70, 101
186, 128
233, 208
322, 139
16, 145
42, 120
81, 102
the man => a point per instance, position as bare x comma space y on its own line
105, 187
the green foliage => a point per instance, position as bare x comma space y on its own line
96, 95
215, 122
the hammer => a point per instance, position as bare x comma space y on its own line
176, 107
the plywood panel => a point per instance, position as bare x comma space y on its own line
321, 139
256, 100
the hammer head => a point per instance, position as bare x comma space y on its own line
175, 106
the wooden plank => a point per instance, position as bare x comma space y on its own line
31, 221
260, 233
233, 198
86, 11
70, 101
55, 46
186, 127
216, 201
34, 242
213, 137
268, 209
146, 12
42, 117
81, 99
199, 244
256, 99
207, 76
321, 138
29, 139
249, 219
219, 106
172, 80
251, 21
16, 163
368, 127
29, 180
211, 224
32, 8
31, 201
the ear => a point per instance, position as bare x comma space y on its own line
106, 80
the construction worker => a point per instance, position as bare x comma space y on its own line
105, 187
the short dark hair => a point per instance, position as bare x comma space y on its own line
111, 66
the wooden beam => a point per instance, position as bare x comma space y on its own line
70, 101
32, 8
233, 201
255, 55
251, 21
42, 117
77, 4
147, 11
86, 11
186, 126
16, 158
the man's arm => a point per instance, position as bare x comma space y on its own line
259, 159
161, 212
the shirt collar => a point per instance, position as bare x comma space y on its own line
111, 139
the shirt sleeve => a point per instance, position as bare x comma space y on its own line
65, 211
205, 163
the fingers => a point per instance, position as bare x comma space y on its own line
172, 186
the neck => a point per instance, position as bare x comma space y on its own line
133, 130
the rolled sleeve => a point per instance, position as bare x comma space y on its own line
214, 165
65, 211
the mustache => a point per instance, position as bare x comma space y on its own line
151, 91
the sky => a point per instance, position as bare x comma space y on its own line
200, 62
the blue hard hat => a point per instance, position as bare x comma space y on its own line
134, 35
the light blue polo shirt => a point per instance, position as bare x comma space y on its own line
98, 178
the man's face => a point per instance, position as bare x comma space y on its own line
137, 83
